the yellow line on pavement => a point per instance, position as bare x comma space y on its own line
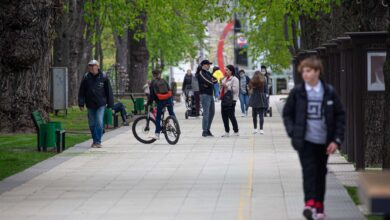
245, 209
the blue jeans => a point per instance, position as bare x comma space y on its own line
208, 111
160, 106
95, 121
216, 90
244, 102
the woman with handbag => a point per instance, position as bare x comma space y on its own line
229, 97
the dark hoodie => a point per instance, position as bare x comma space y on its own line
95, 91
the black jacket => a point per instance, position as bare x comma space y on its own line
258, 98
187, 83
95, 91
206, 82
295, 112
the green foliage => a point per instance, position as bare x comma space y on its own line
175, 28
266, 35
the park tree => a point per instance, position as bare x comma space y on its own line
159, 33
72, 46
26, 36
274, 30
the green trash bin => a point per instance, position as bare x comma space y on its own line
108, 116
58, 127
47, 134
57, 124
139, 104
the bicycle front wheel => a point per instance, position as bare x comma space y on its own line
172, 130
142, 132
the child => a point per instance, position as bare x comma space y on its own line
314, 119
258, 99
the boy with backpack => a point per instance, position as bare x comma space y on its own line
161, 93
314, 119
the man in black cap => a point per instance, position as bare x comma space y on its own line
206, 85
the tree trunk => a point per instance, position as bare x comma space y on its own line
71, 47
86, 54
61, 42
121, 55
76, 32
25, 43
138, 57
386, 72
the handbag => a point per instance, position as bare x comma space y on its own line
227, 99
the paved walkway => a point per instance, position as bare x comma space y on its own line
246, 177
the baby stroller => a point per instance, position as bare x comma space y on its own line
190, 104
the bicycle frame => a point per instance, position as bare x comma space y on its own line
151, 115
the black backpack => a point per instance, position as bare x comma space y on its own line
160, 86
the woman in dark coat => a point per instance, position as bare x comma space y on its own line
258, 99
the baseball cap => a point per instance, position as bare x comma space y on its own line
204, 62
93, 62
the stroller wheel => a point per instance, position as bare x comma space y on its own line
186, 115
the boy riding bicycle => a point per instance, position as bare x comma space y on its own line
161, 93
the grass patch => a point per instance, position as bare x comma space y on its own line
19, 151
353, 193
75, 120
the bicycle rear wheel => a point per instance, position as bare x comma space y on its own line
172, 130
141, 132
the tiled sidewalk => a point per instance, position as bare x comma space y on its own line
245, 177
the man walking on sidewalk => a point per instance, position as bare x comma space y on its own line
95, 92
314, 119
206, 87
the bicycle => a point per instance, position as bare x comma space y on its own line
145, 125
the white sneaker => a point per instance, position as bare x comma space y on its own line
255, 131
156, 136
225, 135
261, 132
320, 216
236, 134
